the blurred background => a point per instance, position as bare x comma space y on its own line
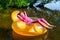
34, 8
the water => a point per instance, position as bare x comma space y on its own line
52, 17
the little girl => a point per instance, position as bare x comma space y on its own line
23, 16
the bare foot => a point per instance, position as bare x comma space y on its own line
51, 26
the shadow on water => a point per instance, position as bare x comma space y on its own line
52, 17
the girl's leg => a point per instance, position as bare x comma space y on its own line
44, 23
42, 19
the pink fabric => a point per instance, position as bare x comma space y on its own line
25, 18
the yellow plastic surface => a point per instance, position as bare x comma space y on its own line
24, 29
27, 30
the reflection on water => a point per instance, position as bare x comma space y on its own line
5, 34
52, 17
20, 37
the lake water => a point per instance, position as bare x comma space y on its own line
53, 17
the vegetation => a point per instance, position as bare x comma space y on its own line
17, 3
1, 7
